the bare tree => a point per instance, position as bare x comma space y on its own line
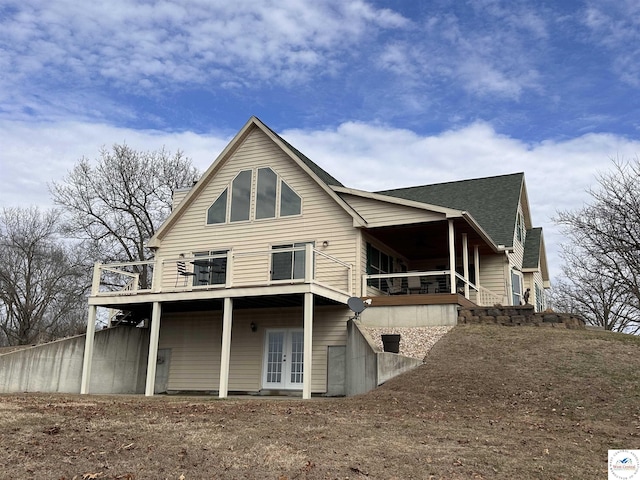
42, 282
116, 205
602, 258
600, 299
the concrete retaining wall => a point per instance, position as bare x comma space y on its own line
410, 316
119, 364
367, 366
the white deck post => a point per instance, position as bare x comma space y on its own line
88, 350
476, 265
307, 366
465, 264
153, 349
309, 261
156, 279
452, 257
227, 316
229, 270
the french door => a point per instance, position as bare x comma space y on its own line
283, 359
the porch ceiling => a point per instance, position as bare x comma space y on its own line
428, 240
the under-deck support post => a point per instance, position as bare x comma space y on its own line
308, 345
227, 317
152, 360
452, 257
88, 350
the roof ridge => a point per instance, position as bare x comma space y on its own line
452, 182
325, 176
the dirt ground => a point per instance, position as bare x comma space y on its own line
490, 402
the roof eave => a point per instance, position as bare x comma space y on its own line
483, 234
449, 212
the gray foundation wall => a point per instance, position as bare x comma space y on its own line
367, 366
119, 364
410, 316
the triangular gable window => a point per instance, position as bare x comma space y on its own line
217, 213
272, 197
290, 202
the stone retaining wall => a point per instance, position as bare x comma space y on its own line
521, 315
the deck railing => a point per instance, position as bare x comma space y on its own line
224, 270
427, 282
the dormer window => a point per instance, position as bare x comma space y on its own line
263, 189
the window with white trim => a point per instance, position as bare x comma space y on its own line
521, 231
516, 287
378, 263
210, 268
262, 188
540, 300
289, 263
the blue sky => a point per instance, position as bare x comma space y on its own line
381, 93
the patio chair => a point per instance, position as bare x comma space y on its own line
394, 286
415, 285
183, 272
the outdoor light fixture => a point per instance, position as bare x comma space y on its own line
325, 244
254, 327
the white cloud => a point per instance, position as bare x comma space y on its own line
486, 52
365, 156
615, 25
40, 153
133, 45
557, 173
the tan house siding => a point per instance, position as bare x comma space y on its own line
195, 341
530, 281
492, 274
178, 196
322, 218
380, 214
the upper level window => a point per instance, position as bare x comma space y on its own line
266, 193
290, 202
520, 228
217, 212
241, 196
270, 195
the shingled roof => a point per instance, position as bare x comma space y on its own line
531, 257
323, 175
491, 201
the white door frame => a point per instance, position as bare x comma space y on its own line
287, 359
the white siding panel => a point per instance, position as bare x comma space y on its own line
379, 214
322, 218
195, 342
492, 273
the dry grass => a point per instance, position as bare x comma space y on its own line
490, 402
